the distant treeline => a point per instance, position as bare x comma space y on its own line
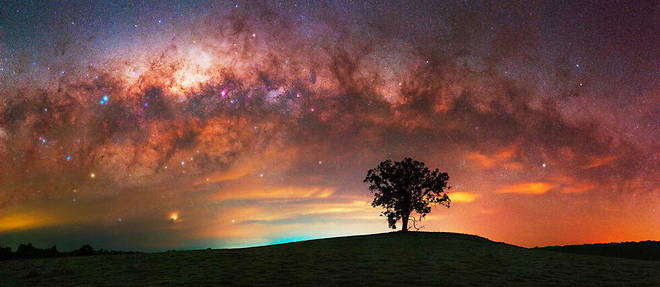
644, 250
25, 251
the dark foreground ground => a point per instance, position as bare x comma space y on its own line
645, 250
393, 259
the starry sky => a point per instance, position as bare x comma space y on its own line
194, 124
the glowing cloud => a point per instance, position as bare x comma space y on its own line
19, 221
275, 193
535, 188
599, 161
503, 158
463, 197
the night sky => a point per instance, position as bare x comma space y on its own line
195, 124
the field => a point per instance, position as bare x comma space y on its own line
391, 259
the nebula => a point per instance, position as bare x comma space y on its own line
243, 123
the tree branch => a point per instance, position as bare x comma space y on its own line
414, 222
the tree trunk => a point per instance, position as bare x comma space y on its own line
405, 218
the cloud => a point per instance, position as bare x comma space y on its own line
463, 197
290, 192
577, 188
569, 184
535, 188
34, 215
233, 173
599, 161
502, 158
25, 220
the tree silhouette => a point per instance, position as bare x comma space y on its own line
402, 187
85, 250
5, 253
27, 251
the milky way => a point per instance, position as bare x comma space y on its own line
239, 123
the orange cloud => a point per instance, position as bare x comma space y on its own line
231, 174
356, 206
573, 185
24, 221
513, 165
274, 193
34, 216
463, 197
577, 188
501, 158
527, 188
599, 161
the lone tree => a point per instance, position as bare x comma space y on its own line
402, 187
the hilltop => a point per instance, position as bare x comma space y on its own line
389, 259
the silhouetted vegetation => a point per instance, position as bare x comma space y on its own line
5, 252
85, 250
407, 186
28, 251
644, 250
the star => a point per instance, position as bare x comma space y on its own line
104, 100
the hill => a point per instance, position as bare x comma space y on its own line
644, 250
391, 259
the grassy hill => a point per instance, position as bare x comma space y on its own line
645, 250
391, 259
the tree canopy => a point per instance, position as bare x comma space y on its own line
403, 187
